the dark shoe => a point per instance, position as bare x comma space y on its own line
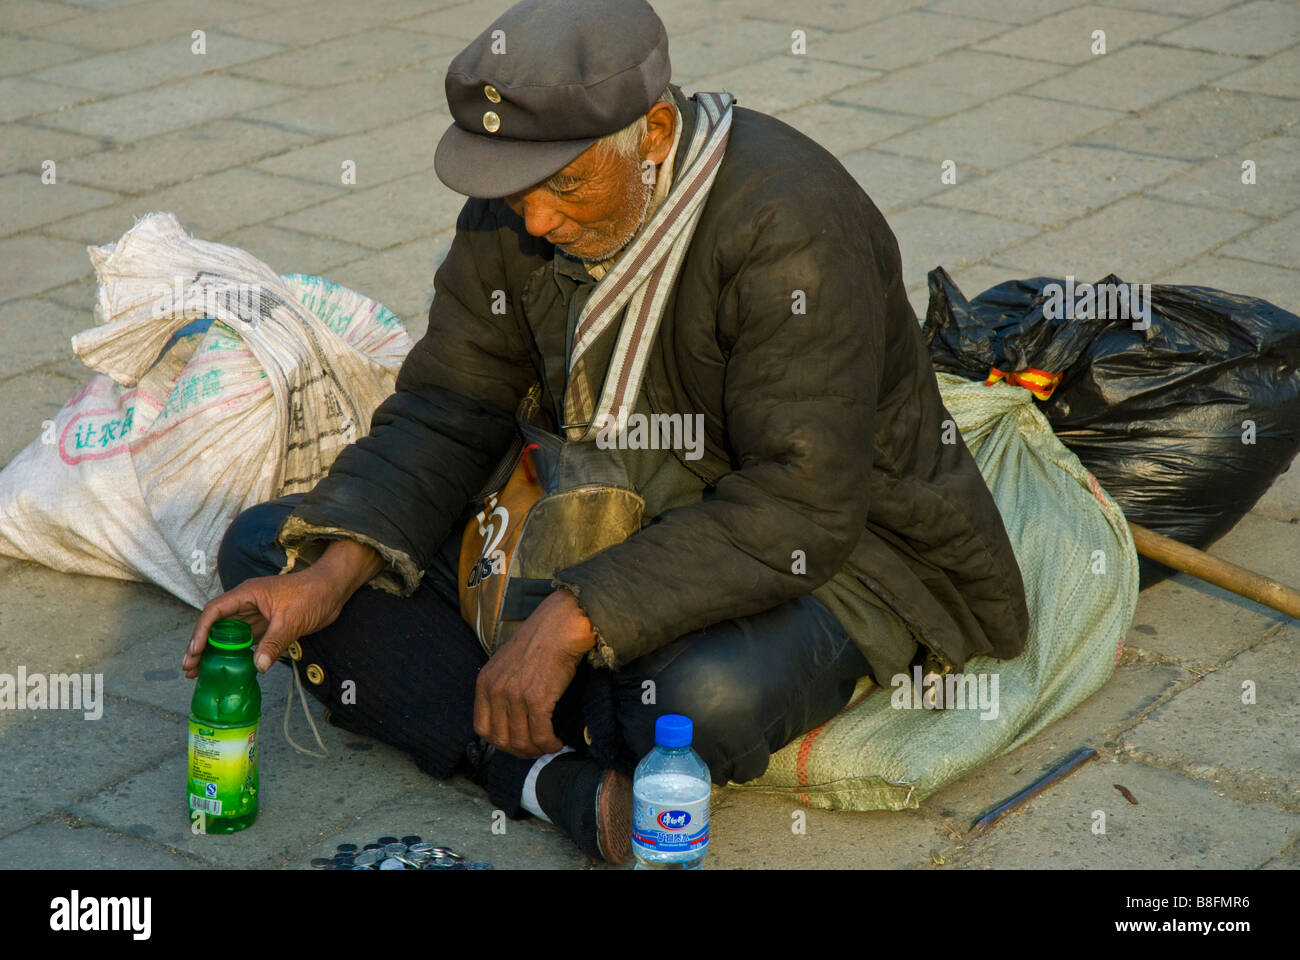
477, 753
593, 805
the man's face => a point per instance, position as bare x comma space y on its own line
594, 207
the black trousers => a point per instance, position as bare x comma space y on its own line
403, 670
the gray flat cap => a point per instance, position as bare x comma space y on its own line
543, 83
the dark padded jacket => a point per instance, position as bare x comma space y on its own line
824, 428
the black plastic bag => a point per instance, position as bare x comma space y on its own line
1161, 416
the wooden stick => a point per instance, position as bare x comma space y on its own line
1221, 573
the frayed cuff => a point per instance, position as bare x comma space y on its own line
602, 654
307, 541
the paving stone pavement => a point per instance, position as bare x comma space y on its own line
1067, 160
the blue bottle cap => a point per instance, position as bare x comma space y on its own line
674, 730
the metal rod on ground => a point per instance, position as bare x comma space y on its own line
1221, 573
1059, 772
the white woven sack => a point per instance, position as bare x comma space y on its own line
145, 467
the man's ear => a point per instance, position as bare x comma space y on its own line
661, 122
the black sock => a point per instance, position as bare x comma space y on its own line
503, 779
566, 793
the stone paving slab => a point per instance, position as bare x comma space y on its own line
356, 107
1177, 824
1023, 11
27, 145
1132, 690
835, 15
302, 24
698, 53
26, 202
28, 399
172, 158
18, 15
380, 156
1252, 29
148, 673
72, 846
1199, 125
1107, 242
1000, 132
1218, 183
1136, 77
956, 82
1059, 186
1066, 37
23, 97
37, 264
172, 106
65, 757
301, 798
1277, 243
22, 54
207, 205
32, 331
929, 237
381, 216
843, 127
903, 40
463, 22
288, 251
783, 84
1237, 725
894, 182
1278, 76
78, 295
173, 58
34, 606
1288, 859
400, 278
1186, 8
144, 22
750, 831
359, 55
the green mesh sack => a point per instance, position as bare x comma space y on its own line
1080, 570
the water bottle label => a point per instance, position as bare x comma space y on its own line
673, 828
223, 769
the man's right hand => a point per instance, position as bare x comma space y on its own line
282, 608
279, 609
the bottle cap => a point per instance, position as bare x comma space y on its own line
230, 634
673, 730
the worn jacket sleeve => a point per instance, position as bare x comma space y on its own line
799, 401
434, 441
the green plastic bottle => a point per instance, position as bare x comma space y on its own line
224, 714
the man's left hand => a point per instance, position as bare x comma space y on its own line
521, 683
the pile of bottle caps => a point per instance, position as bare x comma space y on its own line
390, 853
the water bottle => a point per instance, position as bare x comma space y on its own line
670, 823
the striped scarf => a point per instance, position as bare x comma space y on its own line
642, 279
